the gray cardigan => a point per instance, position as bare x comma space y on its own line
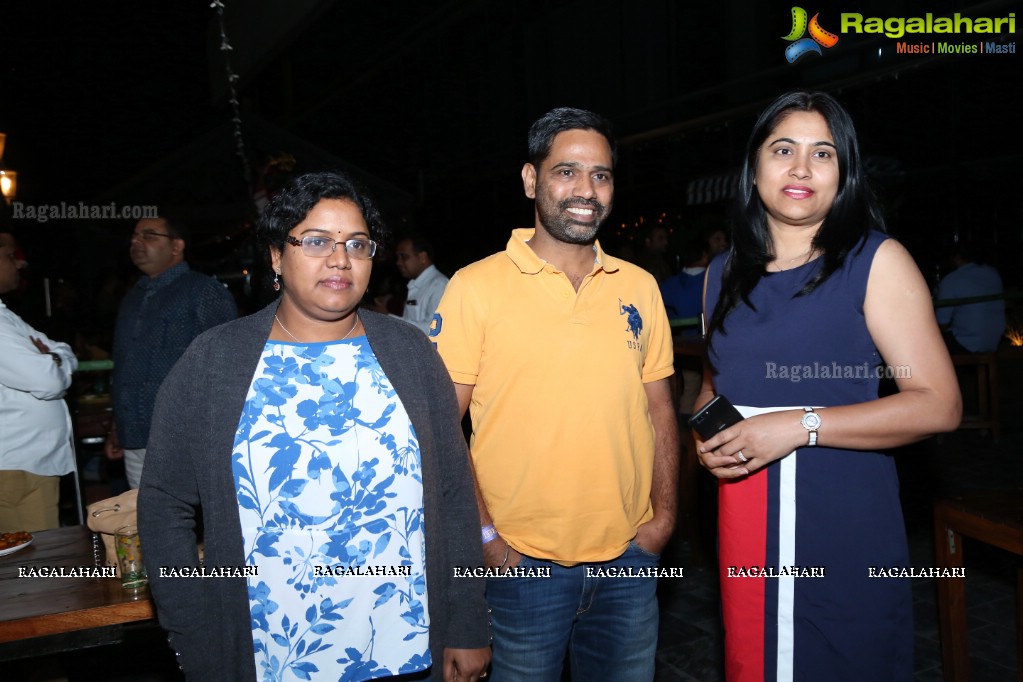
187, 482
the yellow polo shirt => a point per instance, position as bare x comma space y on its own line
562, 439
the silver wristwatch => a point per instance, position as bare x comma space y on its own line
811, 422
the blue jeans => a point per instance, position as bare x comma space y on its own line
607, 625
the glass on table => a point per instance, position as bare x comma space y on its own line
129, 558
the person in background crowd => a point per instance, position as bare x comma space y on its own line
683, 299
35, 427
414, 257
168, 307
971, 327
683, 291
806, 309
564, 355
717, 241
653, 256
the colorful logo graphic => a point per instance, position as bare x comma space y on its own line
634, 319
818, 36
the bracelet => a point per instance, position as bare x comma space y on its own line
507, 550
489, 533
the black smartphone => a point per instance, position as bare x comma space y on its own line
715, 416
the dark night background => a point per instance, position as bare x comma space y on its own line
429, 104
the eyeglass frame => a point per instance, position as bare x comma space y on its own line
148, 235
334, 242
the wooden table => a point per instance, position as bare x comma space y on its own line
42, 615
995, 518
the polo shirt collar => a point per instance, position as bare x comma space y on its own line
529, 263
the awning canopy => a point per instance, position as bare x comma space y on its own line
711, 189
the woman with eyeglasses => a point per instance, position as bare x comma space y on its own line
319, 448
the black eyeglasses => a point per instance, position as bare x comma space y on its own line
315, 246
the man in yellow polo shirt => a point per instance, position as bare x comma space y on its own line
562, 354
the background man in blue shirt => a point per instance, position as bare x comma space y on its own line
168, 307
973, 327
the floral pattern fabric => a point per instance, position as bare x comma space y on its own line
327, 474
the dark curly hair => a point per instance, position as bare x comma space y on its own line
292, 205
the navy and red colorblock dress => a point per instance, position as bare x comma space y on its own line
836, 511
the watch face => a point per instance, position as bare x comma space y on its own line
811, 420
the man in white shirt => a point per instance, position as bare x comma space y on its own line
414, 258
35, 426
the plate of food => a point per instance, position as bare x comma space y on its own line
12, 542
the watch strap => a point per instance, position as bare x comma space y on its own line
811, 440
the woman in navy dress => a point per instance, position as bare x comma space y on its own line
810, 307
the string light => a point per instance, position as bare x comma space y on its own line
232, 79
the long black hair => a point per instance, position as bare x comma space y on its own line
853, 214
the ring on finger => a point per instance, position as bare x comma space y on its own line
741, 457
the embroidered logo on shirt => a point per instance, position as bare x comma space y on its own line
634, 319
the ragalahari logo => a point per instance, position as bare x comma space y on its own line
818, 36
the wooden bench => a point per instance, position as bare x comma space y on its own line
993, 518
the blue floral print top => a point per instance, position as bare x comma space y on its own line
327, 473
